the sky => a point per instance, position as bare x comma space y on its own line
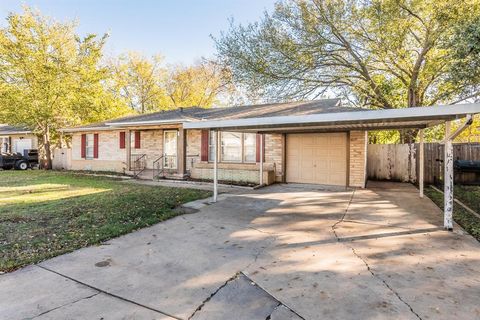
179, 30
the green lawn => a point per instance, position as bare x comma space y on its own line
470, 196
46, 213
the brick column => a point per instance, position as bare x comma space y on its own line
358, 159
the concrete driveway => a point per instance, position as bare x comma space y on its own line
282, 252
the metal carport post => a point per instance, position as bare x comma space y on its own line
215, 165
448, 172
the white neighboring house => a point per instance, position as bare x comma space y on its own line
16, 139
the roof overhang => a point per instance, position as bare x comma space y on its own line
7, 133
419, 117
145, 123
72, 130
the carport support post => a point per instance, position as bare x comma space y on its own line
421, 164
261, 160
448, 180
215, 165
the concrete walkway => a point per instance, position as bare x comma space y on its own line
282, 252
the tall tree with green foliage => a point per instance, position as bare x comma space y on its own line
200, 84
379, 54
146, 84
50, 78
138, 80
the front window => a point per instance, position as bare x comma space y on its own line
249, 147
4, 146
234, 147
211, 150
89, 146
231, 147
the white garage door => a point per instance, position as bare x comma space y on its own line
19, 145
317, 158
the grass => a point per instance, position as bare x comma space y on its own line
45, 213
470, 196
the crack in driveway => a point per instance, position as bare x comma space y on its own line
213, 294
109, 293
240, 294
376, 276
64, 305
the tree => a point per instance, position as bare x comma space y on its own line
50, 78
139, 80
147, 85
198, 85
380, 54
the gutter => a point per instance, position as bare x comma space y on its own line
72, 130
151, 122
6, 133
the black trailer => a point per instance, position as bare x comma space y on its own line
18, 161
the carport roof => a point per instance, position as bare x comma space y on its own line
360, 119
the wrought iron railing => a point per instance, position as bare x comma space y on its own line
158, 169
138, 163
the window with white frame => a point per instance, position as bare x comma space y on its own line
249, 147
4, 145
231, 147
211, 150
89, 146
235, 147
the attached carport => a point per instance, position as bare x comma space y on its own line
339, 122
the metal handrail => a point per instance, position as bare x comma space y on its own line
139, 163
156, 167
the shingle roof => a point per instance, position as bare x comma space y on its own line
238, 112
6, 129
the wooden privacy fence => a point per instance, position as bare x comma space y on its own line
400, 162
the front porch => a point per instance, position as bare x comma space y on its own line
176, 153
154, 152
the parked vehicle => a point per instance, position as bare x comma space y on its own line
18, 161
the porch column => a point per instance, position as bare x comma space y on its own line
215, 165
448, 179
421, 164
128, 148
261, 160
181, 151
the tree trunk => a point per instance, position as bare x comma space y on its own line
46, 147
409, 135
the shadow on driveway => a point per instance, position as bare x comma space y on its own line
281, 252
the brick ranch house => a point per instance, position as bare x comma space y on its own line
318, 142
161, 140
